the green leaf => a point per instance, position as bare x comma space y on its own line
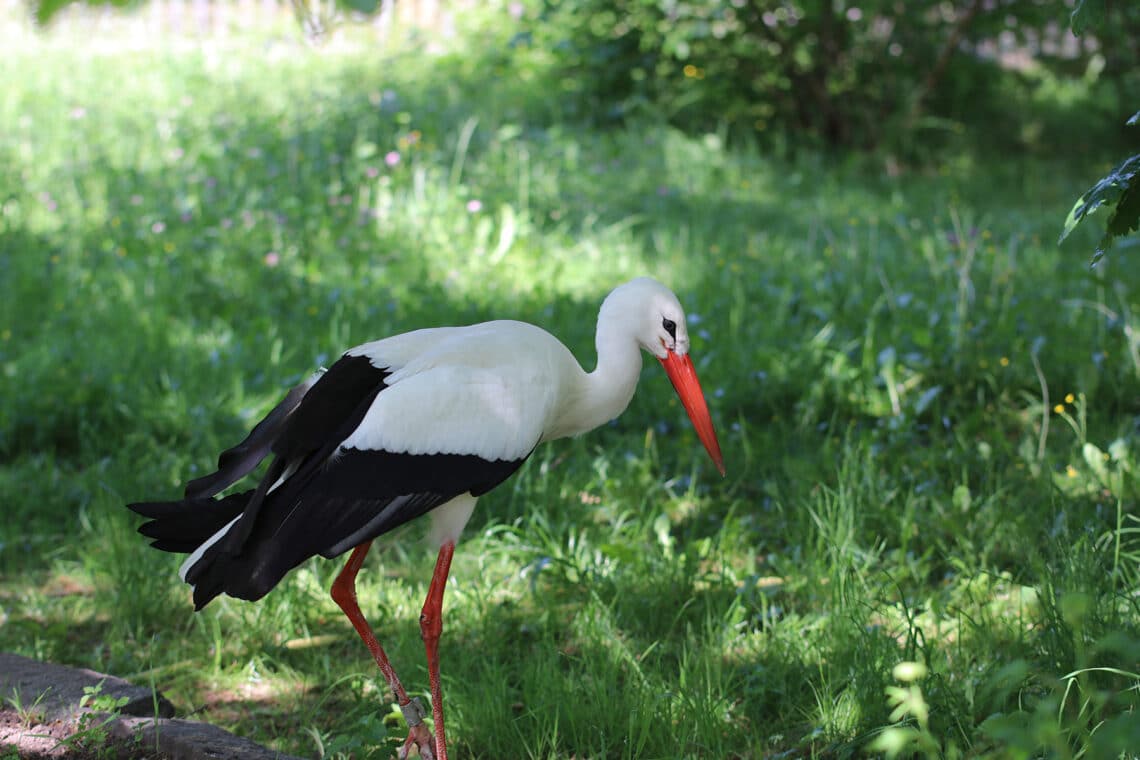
621, 552
894, 741
961, 498
1117, 736
1116, 188
1126, 218
1075, 608
1086, 14
45, 9
365, 7
1095, 459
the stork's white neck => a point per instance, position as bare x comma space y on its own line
603, 394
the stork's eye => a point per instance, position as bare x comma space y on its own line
670, 327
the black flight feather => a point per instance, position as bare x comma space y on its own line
327, 413
327, 511
237, 462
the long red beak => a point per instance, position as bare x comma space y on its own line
684, 378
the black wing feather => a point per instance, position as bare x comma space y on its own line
326, 415
332, 508
237, 462
338, 401
369, 493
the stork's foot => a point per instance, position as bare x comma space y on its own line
418, 734
420, 738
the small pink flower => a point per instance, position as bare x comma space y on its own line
372, 172
78, 112
392, 158
158, 228
474, 206
272, 259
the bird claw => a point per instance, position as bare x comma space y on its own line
420, 738
418, 734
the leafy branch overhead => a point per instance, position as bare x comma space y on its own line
1120, 187
1086, 13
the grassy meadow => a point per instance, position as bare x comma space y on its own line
929, 414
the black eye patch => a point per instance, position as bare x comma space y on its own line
670, 327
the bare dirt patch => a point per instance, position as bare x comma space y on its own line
27, 738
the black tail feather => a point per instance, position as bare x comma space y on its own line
207, 586
182, 526
219, 572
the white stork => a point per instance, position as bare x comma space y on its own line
424, 422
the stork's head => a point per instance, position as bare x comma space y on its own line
655, 316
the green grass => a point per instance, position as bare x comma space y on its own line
929, 415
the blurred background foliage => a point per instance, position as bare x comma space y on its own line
905, 78
908, 82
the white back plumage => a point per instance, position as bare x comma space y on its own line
488, 389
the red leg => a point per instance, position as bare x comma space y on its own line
344, 594
431, 625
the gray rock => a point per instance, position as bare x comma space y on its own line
56, 692
191, 740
